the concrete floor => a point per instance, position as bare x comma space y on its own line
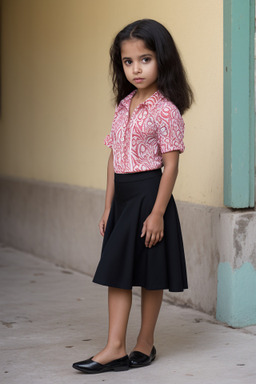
51, 317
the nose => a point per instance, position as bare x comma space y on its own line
136, 68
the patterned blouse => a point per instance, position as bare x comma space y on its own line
138, 142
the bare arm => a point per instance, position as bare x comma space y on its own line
109, 194
153, 226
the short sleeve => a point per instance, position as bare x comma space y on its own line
108, 141
170, 129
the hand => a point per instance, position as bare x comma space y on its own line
103, 222
153, 228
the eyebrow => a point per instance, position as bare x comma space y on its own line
144, 55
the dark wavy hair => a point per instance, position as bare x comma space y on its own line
172, 79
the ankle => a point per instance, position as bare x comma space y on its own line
147, 341
144, 345
109, 353
116, 346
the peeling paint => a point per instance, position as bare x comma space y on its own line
236, 238
253, 256
240, 234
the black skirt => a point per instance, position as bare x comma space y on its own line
125, 260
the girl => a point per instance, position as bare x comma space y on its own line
142, 243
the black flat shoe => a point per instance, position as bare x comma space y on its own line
90, 366
139, 359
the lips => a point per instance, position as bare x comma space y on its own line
138, 79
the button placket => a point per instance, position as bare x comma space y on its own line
131, 126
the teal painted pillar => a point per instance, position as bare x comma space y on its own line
239, 130
236, 293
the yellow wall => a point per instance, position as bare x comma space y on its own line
56, 93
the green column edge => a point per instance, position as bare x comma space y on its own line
239, 115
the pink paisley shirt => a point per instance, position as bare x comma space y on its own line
138, 142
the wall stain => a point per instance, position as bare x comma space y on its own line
240, 239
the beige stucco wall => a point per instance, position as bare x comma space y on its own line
56, 94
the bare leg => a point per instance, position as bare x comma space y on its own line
119, 305
150, 306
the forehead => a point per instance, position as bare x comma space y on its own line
134, 47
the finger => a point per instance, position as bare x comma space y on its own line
156, 239
152, 241
143, 231
102, 228
161, 236
147, 240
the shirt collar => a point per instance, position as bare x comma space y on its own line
150, 102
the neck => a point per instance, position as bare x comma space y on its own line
143, 94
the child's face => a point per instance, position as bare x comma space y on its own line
139, 64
